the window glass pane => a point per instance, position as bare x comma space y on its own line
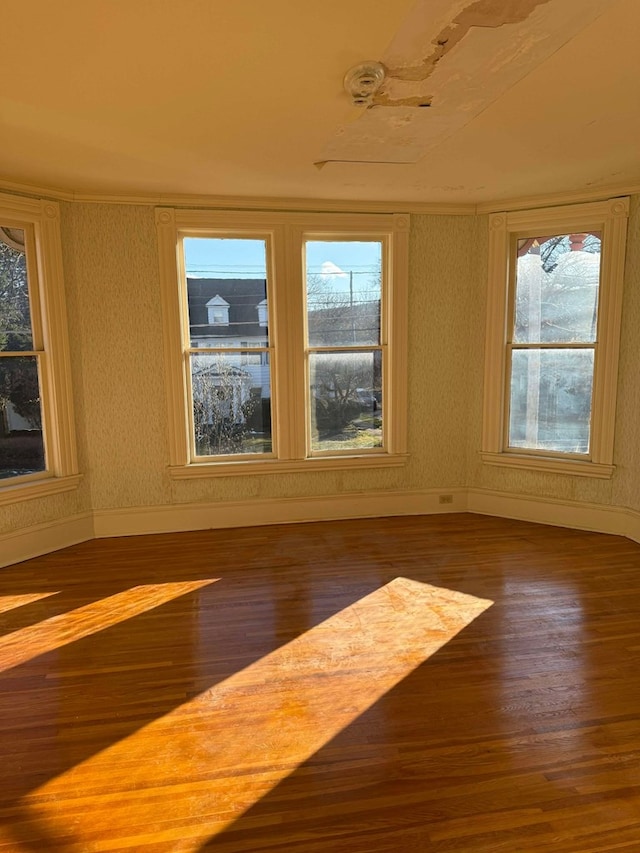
343, 282
231, 403
346, 400
557, 282
21, 443
15, 317
551, 399
226, 291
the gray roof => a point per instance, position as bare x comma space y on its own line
337, 324
243, 296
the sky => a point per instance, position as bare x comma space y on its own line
333, 261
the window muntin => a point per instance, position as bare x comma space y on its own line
229, 386
344, 344
22, 445
551, 349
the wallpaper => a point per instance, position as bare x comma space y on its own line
115, 319
441, 375
114, 270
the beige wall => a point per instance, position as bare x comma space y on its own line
111, 270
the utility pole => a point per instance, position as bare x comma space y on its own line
353, 325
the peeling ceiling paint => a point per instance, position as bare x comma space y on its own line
482, 13
446, 64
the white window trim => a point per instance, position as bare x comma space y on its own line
42, 218
285, 306
610, 217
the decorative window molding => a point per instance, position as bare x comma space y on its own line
283, 352
48, 346
511, 234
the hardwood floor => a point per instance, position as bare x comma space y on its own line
443, 683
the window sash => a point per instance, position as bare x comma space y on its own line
512, 345
610, 218
528, 449
39, 358
317, 453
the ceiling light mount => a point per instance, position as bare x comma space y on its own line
363, 81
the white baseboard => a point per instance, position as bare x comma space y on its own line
132, 521
172, 519
600, 518
44, 538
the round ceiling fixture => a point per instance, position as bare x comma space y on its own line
362, 82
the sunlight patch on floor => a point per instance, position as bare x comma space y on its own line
186, 776
50, 634
12, 602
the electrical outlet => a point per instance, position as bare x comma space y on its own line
445, 499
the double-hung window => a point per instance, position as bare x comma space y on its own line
37, 450
285, 340
555, 293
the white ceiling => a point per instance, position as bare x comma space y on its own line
243, 99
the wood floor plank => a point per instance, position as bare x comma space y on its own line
448, 683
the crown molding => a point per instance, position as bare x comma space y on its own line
321, 205
259, 203
240, 202
36, 190
558, 199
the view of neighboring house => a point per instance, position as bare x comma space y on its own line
230, 312
11, 421
230, 363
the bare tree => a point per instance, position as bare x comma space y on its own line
223, 407
343, 383
18, 375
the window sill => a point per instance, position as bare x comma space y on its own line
551, 464
32, 489
279, 466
